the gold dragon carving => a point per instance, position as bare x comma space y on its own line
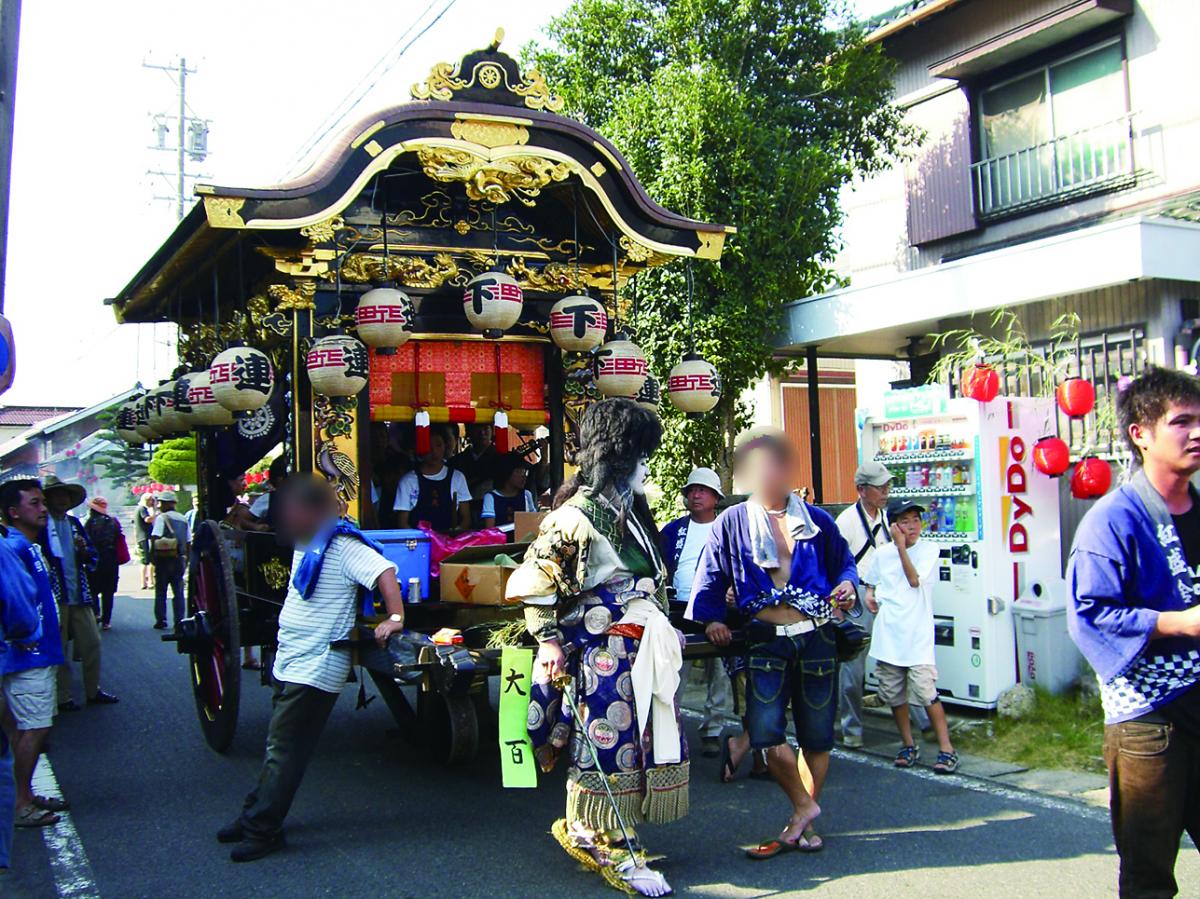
301, 297
411, 271
496, 181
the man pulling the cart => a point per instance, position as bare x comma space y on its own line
333, 563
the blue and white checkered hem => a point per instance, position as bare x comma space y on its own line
1151, 683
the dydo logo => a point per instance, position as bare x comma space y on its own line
1014, 510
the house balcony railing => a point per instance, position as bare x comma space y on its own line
1087, 161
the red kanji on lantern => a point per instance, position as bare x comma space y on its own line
1076, 397
1091, 479
1052, 456
980, 382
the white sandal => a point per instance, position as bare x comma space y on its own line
642, 879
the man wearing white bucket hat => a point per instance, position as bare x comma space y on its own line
682, 541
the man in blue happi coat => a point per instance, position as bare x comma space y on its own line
790, 570
1134, 577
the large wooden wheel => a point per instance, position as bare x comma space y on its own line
214, 646
448, 726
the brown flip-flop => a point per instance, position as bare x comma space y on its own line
32, 816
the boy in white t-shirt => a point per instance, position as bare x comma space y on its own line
903, 575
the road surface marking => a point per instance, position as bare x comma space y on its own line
73, 877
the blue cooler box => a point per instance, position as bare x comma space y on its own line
410, 550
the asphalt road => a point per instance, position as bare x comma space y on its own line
373, 819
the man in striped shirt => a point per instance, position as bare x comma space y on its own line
332, 565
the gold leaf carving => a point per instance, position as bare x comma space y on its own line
553, 277
411, 271
225, 212
287, 298
496, 181
323, 232
441, 84
490, 134
275, 573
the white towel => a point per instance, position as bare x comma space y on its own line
656, 677
762, 538
56, 548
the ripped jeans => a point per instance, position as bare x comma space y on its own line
800, 670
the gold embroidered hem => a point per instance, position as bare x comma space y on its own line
657, 796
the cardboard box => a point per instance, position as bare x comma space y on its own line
470, 576
525, 525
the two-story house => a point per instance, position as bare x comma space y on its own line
1059, 170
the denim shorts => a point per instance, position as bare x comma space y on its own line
802, 671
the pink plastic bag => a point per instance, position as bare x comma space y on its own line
443, 545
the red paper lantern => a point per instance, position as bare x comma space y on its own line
621, 368
493, 302
1076, 397
1091, 479
1052, 456
980, 382
693, 386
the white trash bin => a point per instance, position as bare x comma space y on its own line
1046, 656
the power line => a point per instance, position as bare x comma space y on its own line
321, 136
191, 139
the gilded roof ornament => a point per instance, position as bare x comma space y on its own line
488, 76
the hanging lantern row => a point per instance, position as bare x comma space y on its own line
337, 366
693, 385
1076, 397
493, 302
578, 324
242, 379
980, 382
1091, 479
650, 396
1052, 456
621, 367
384, 319
205, 410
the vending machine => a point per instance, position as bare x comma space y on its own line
993, 515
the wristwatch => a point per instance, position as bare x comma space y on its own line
396, 617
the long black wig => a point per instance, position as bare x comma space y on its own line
614, 436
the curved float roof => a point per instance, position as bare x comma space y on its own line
483, 130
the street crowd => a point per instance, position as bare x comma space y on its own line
793, 596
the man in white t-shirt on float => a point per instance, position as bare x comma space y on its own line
682, 541
332, 565
434, 492
864, 526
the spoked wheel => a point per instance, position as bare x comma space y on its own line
216, 652
448, 726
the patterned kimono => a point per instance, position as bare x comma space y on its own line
581, 577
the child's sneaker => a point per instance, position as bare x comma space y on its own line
907, 756
947, 763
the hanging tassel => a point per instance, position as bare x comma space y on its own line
421, 420
500, 426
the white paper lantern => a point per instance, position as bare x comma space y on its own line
650, 396
183, 407
337, 366
169, 421
621, 368
693, 385
578, 323
241, 379
384, 318
141, 411
493, 302
125, 425
206, 411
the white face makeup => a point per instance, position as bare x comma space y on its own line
637, 481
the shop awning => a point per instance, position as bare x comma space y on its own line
879, 319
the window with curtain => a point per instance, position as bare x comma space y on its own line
1053, 130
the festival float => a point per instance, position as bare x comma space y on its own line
461, 259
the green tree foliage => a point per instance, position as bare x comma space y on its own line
174, 461
753, 113
124, 464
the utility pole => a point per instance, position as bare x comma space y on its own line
191, 136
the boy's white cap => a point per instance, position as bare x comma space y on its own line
705, 477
